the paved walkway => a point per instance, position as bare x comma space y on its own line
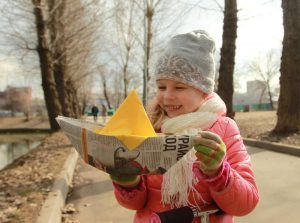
277, 176
94, 198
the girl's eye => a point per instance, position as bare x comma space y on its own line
161, 88
180, 88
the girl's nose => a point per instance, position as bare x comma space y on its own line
169, 95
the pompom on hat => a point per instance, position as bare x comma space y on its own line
189, 58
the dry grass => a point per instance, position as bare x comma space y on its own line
259, 125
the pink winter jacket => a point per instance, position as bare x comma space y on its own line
238, 196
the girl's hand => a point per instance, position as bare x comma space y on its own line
210, 152
129, 182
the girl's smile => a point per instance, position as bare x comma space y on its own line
172, 107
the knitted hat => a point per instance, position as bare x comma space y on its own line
189, 58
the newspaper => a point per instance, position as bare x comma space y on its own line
109, 154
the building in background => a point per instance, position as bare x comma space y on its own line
16, 100
2, 99
255, 98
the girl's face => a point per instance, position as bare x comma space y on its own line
177, 98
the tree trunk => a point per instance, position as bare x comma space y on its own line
270, 96
150, 13
58, 8
125, 78
73, 98
48, 82
83, 105
105, 92
225, 87
288, 114
148, 40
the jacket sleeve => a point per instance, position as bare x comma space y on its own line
240, 196
133, 199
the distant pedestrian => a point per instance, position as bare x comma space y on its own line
104, 112
95, 112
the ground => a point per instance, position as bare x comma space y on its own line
20, 122
258, 125
24, 185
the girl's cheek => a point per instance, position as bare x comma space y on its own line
160, 96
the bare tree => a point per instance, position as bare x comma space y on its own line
65, 37
44, 51
126, 36
265, 69
288, 114
105, 87
84, 92
75, 25
56, 11
137, 27
83, 23
150, 8
225, 83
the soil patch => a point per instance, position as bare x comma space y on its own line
259, 125
25, 183
21, 122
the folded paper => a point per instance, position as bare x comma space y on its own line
156, 154
130, 124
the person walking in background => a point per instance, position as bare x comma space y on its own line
217, 171
95, 112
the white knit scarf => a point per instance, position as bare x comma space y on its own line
178, 181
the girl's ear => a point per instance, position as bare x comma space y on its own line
205, 96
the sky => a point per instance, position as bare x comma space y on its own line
260, 30
259, 25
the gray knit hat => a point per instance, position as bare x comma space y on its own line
189, 58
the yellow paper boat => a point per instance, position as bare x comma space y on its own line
130, 124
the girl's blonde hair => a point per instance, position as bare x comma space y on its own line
156, 114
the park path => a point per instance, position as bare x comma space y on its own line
277, 176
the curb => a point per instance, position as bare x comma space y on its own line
51, 210
276, 147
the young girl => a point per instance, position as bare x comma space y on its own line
218, 170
